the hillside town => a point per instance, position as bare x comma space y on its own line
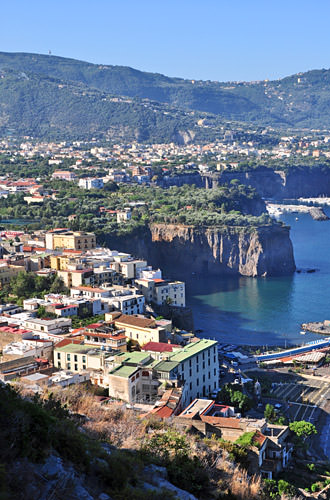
145, 163
97, 322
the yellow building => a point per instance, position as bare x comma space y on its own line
143, 330
8, 271
72, 240
59, 262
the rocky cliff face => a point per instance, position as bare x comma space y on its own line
277, 184
265, 251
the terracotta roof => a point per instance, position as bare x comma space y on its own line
159, 347
162, 412
94, 325
132, 320
232, 423
259, 438
89, 288
65, 342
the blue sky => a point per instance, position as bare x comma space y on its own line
198, 39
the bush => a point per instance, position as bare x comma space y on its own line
315, 487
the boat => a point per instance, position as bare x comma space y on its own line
302, 332
297, 218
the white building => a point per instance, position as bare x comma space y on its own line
91, 183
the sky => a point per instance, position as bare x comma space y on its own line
222, 40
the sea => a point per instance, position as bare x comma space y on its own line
269, 311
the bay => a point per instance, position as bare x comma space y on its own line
269, 311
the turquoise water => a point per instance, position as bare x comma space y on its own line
269, 311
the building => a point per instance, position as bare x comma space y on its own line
38, 348
77, 277
162, 292
142, 330
133, 379
124, 215
127, 266
138, 376
196, 366
74, 240
64, 175
8, 271
48, 327
105, 336
91, 183
78, 357
127, 304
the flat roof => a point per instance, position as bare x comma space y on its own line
166, 366
124, 371
75, 348
192, 349
133, 357
197, 407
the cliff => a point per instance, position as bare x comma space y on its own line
296, 183
264, 251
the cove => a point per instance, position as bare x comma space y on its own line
269, 311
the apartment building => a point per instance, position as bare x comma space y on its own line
105, 336
133, 379
8, 271
197, 367
78, 357
127, 266
142, 330
74, 240
48, 327
77, 277
91, 183
161, 291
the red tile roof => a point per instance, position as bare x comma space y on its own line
232, 423
159, 347
259, 438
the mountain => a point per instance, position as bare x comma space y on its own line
49, 108
49, 95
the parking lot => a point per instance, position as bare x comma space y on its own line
304, 398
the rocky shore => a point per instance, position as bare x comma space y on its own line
321, 327
316, 213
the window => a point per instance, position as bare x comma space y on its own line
76, 357
190, 372
68, 366
215, 371
84, 367
58, 355
84, 359
76, 367
197, 381
68, 357
190, 386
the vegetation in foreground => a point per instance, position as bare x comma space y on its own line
111, 448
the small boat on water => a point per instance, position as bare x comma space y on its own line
302, 332
297, 218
